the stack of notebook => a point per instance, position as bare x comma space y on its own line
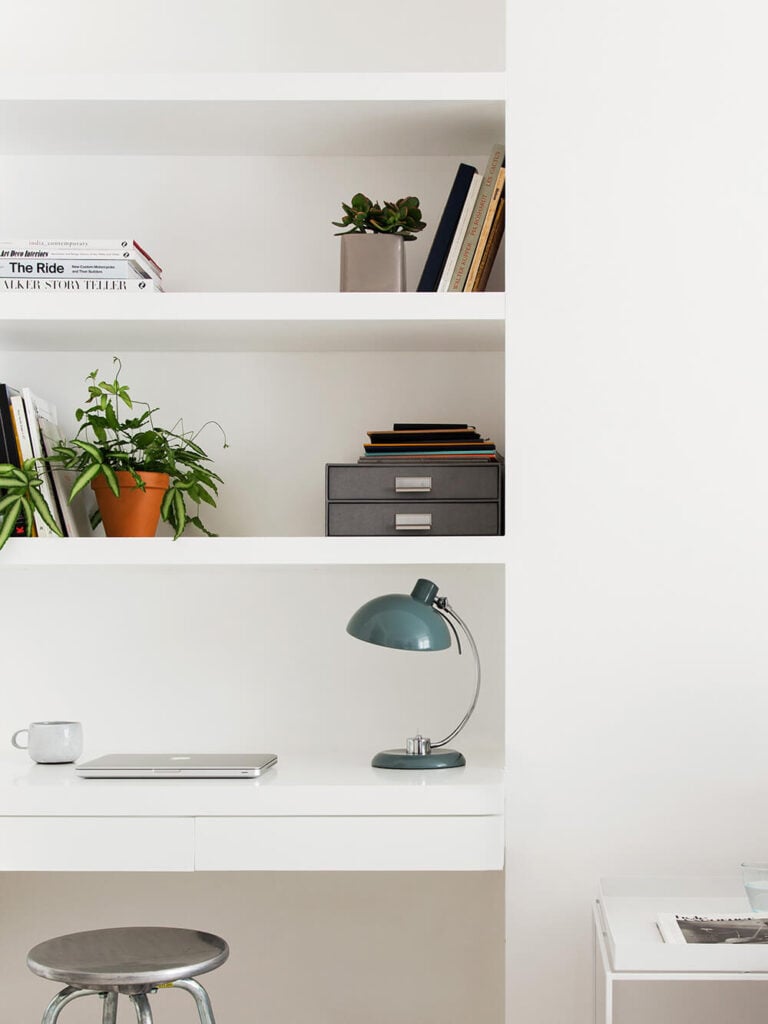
428, 442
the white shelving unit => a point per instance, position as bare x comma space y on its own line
296, 372
244, 338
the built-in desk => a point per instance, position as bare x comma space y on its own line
299, 816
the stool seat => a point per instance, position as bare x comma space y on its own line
128, 960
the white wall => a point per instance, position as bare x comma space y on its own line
638, 490
253, 658
251, 35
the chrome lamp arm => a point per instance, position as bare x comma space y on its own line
445, 608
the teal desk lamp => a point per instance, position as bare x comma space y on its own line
418, 621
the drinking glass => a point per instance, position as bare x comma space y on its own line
755, 878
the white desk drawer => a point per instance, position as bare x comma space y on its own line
97, 844
437, 843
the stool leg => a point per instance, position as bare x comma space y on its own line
60, 1000
141, 1005
109, 1011
200, 996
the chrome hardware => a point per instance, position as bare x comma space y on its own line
418, 745
413, 520
411, 484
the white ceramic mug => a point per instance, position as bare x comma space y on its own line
51, 742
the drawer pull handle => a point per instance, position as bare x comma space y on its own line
413, 520
404, 484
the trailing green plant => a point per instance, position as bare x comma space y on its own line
20, 497
400, 218
115, 436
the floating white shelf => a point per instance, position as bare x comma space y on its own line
302, 815
227, 114
297, 785
213, 551
252, 321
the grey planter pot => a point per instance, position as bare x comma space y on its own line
372, 263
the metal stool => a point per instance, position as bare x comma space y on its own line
128, 961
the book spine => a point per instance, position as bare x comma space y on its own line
446, 229
116, 255
76, 284
482, 242
25, 450
9, 451
461, 231
494, 242
432, 426
62, 480
426, 436
476, 220
63, 269
78, 247
44, 471
421, 449
466, 458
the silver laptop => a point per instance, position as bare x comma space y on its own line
176, 766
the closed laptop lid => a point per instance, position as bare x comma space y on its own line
196, 765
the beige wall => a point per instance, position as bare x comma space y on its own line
321, 947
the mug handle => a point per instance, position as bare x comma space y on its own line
19, 746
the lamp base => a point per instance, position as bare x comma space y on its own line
442, 758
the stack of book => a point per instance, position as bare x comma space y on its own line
428, 442
75, 265
29, 430
470, 230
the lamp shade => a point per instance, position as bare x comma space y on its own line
407, 622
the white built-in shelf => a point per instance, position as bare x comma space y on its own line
221, 114
302, 815
255, 551
252, 321
297, 785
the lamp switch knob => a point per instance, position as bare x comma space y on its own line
418, 745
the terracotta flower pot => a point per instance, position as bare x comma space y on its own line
135, 513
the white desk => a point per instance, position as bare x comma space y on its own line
299, 816
629, 947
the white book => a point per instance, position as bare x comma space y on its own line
35, 255
76, 284
25, 451
77, 246
47, 488
81, 267
76, 516
461, 229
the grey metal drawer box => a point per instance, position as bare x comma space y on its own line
389, 518
405, 482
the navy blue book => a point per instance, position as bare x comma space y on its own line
441, 244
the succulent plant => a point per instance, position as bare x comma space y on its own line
399, 218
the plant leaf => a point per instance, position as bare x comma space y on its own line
6, 529
109, 476
29, 515
181, 514
84, 479
91, 449
41, 507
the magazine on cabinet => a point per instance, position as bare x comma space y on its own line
736, 929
